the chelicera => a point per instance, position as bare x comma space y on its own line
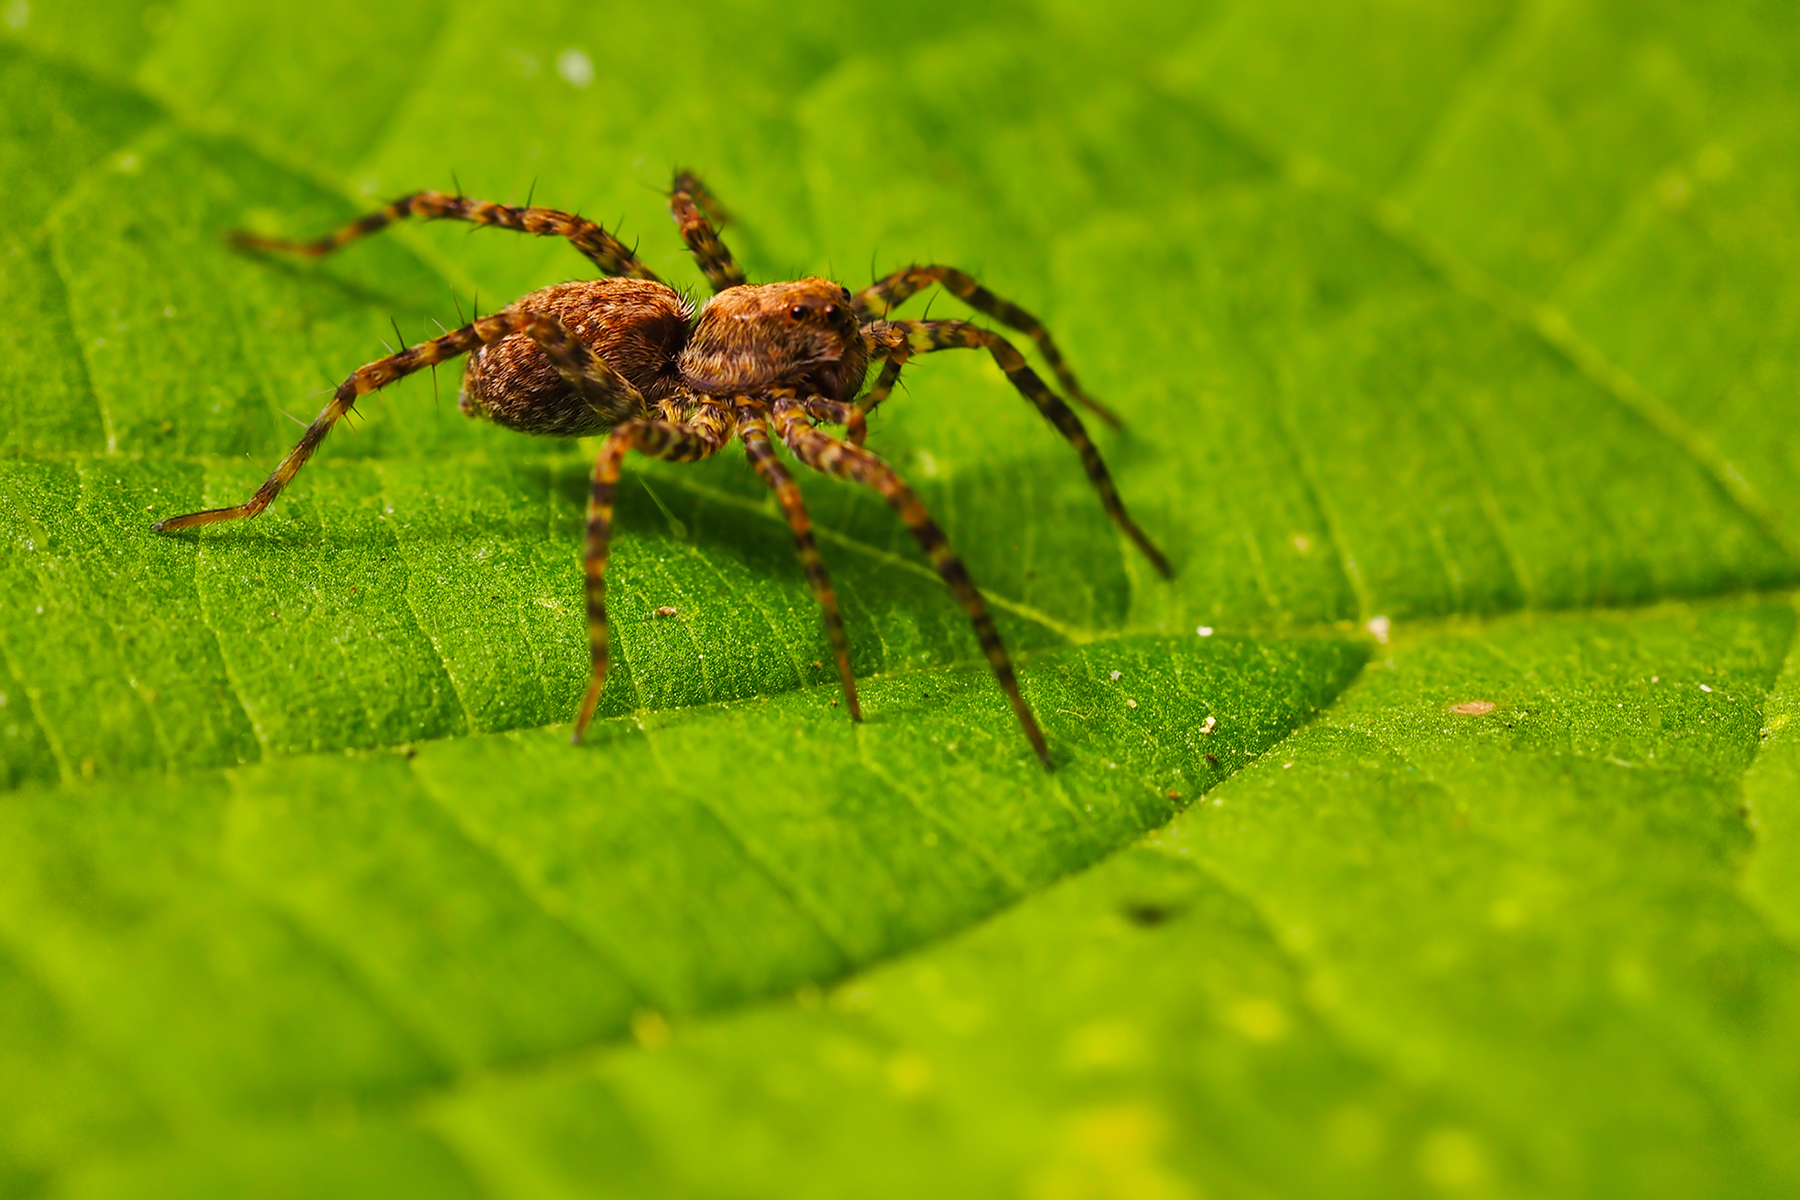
631, 357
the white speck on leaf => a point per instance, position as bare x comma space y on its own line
1114, 676
575, 67
1704, 688
1380, 628
1205, 631
1210, 724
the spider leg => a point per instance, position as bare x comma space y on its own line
699, 438
687, 181
608, 253
834, 457
902, 339
833, 412
697, 213
884, 295
574, 361
882, 388
753, 431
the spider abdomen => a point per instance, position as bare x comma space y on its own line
636, 326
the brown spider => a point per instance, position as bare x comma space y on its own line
630, 354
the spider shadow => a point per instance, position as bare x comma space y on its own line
306, 275
709, 540
1071, 567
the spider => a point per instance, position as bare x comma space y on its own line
630, 356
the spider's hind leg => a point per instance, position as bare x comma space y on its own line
886, 294
834, 457
607, 252
698, 214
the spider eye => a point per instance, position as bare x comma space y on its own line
832, 313
846, 292
798, 312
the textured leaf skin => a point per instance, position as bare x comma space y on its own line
1479, 319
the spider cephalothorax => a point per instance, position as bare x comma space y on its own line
629, 354
802, 335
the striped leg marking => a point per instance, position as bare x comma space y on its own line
753, 430
904, 338
573, 360
607, 252
882, 388
661, 439
884, 295
834, 457
696, 212
833, 412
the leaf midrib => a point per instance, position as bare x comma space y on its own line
414, 1105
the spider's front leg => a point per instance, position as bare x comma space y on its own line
884, 383
834, 457
899, 340
699, 437
886, 294
833, 412
599, 383
753, 431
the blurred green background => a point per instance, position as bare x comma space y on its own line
1458, 345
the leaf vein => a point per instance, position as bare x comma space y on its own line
764, 863
498, 859
1543, 322
412, 609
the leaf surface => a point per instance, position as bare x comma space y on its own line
1458, 350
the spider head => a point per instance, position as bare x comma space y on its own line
802, 335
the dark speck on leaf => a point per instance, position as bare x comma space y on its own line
1148, 915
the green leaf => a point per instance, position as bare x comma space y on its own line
1434, 830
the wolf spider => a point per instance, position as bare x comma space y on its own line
630, 356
